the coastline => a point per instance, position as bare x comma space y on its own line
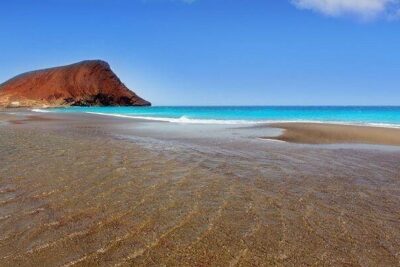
313, 132
382, 117
324, 133
93, 190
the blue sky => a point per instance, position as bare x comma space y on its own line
217, 52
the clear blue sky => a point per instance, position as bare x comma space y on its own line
216, 52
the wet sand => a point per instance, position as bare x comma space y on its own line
89, 190
317, 133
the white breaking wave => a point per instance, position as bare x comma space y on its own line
186, 120
40, 110
182, 119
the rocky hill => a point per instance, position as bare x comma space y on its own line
87, 83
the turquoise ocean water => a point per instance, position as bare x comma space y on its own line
380, 116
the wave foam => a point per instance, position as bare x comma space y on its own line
186, 120
40, 110
182, 119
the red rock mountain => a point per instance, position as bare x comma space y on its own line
87, 83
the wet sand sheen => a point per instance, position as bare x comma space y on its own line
73, 195
319, 133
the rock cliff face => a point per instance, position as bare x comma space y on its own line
87, 83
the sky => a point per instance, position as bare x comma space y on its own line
217, 52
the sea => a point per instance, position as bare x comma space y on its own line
383, 116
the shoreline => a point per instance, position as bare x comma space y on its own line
241, 122
315, 133
325, 133
107, 191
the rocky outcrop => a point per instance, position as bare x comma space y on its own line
87, 83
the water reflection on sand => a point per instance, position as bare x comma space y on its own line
95, 192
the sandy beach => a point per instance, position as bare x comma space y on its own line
84, 190
318, 133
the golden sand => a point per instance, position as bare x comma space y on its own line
317, 133
71, 194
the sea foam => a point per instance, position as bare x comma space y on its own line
182, 119
40, 110
252, 117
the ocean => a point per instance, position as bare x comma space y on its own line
385, 116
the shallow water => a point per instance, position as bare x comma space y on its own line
91, 192
388, 116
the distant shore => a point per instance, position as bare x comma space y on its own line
320, 133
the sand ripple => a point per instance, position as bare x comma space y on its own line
82, 198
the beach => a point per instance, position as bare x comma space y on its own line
318, 133
84, 190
